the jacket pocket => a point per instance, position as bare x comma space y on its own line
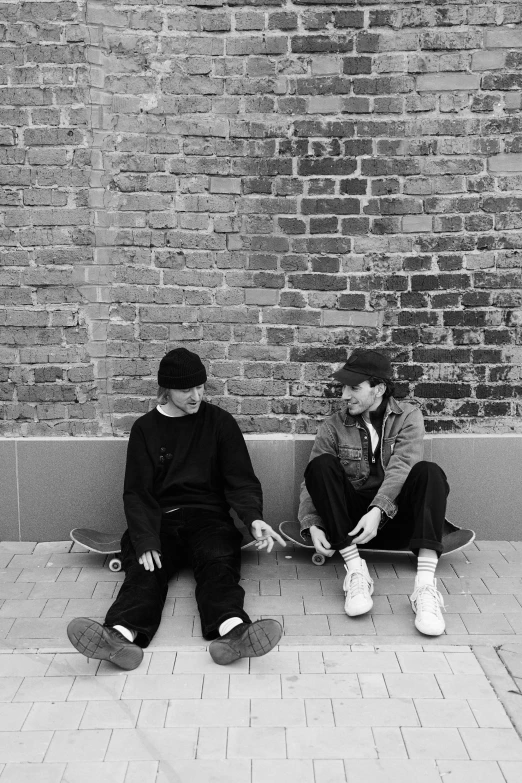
351, 461
388, 446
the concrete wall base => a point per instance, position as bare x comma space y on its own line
50, 485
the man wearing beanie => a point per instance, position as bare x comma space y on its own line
366, 485
187, 465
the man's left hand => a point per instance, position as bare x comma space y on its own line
367, 526
265, 535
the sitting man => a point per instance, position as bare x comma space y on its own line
187, 465
366, 482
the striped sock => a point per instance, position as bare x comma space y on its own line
426, 565
350, 555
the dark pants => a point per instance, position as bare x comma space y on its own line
421, 506
207, 541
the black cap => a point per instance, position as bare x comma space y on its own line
181, 369
363, 364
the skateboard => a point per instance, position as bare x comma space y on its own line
453, 539
103, 543
109, 543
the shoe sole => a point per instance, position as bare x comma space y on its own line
257, 639
90, 639
430, 633
362, 611
422, 630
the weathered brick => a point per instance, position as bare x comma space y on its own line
503, 38
449, 39
505, 164
309, 44
99, 13
267, 45
440, 82
260, 296
215, 21
247, 234
416, 223
487, 60
350, 318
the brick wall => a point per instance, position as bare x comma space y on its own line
46, 374
269, 184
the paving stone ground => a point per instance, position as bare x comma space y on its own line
341, 700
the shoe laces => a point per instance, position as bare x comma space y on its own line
357, 583
428, 599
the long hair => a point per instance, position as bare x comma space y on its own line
162, 395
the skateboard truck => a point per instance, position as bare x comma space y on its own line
102, 543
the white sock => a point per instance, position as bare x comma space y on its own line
350, 555
227, 625
426, 565
126, 632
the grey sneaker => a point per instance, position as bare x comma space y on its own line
248, 640
103, 643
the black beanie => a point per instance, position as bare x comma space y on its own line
181, 369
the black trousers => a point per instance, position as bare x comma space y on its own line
421, 506
208, 542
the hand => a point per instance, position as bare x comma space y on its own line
367, 526
265, 535
147, 560
320, 542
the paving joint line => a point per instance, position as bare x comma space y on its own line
502, 682
355, 647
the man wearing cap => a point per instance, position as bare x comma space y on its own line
187, 465
366, 482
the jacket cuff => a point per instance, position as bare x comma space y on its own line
385, 504
305, 532
309, 520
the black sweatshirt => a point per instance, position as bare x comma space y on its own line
199, 460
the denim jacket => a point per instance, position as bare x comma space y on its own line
401, 449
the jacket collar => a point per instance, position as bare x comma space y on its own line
392, 407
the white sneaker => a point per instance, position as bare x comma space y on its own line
426, 602
358, 587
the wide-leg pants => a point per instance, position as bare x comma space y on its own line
421, 505
206, 541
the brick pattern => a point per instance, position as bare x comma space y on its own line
42, 586
269, 717
295, 715
270, 184
46, 378
379, 708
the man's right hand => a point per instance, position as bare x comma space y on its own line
147, 560
320, 542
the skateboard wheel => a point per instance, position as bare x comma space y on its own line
115, 564
318, 559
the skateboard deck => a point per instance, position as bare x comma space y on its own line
109, 543
454, 538
103, 543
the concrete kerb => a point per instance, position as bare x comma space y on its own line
502, 682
